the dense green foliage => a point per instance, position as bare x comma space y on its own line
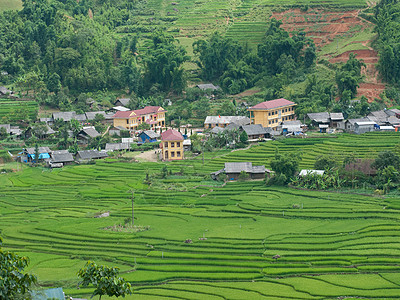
280, 58
14, 283
105, 280
387, 27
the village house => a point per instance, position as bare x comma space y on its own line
152, 115
305, 172
272, 113
117, 146
122, 102
86, 134
66, 116
148, 136
223, 121
254, 131
117, 130
61, 158
208, 87
86, 155
28, 154
171, 145
292, 127
350, 123
363, 127
321, 118
233, 170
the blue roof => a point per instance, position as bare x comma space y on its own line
56, 293
41, 156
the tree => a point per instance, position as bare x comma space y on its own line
325, 162
37, 153
105, 280
287, 164
385, 159
244, 139
143, 126
164, 64
3, 133
13, 281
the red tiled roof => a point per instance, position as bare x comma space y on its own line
138, 112
171, 135
272, 104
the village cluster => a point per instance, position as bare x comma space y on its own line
266, 120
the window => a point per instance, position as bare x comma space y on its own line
178, 144
166, 144
178, 154
172, 154
269, 114
269, 122
172, 144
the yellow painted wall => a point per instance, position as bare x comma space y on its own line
262, 116
174, 149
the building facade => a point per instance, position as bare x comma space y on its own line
152, 115
171, 145
272, 113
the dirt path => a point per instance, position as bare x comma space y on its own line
147, 156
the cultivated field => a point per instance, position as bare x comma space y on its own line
331, 245
15, 110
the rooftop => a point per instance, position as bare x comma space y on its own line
171, 135
272, 104
138, 112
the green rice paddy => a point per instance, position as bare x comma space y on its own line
12, 110
335, 245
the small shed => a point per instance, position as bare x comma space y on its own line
148, 136
323, 128
208, 86
386, 128
54, 294
117, 146
85, 155
233, 170
187, 145
363, 127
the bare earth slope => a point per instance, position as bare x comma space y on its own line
337, 34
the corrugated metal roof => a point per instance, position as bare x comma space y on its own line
240, 120
254, 129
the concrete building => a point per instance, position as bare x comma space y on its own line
272, 113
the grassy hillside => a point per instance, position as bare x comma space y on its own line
10, 4
331, 245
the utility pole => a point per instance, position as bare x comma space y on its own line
133, 222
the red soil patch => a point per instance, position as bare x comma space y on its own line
370, 90
323, 26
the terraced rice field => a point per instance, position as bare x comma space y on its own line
335, 245
11, 110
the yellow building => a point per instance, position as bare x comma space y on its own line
171, 145
152, 115
272, 113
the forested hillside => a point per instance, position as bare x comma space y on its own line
62, 52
